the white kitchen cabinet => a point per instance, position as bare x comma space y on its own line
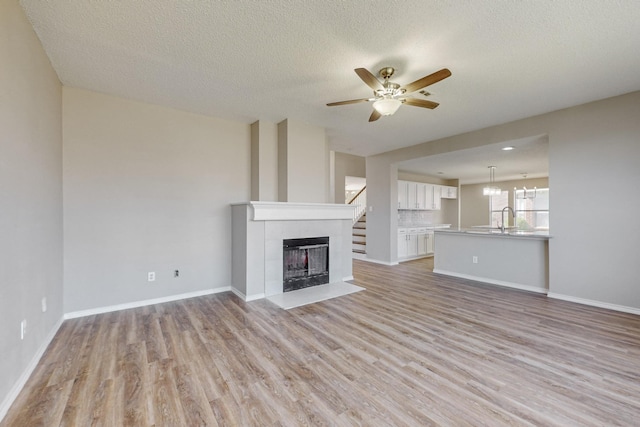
419, 196
407, 243
407, 194
449, 192
429, 242
402, 195
432, 196
422, 243
412, 189
414, 243
402, 245
437, 198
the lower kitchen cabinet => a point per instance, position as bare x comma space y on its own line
414, 243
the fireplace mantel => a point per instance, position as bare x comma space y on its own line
258, 230
279, 211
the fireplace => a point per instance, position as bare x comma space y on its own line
305, 263
259, 229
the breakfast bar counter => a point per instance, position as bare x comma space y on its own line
517, 259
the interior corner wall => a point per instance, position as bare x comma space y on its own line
264, 161
31, 188
147, 189
303, 163
347, 165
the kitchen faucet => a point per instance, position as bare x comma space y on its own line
502, 227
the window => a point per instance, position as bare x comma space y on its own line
496, 204
532, 213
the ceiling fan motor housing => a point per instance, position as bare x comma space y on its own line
386, 72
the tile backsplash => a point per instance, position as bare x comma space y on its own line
407, 218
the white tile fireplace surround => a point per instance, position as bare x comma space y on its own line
258, 231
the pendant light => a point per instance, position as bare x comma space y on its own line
525, 193
491, 189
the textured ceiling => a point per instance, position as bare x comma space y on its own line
277, 59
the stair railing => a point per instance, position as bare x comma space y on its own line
360, 202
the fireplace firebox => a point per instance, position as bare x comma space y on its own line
305, 263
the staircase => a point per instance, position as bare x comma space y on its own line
359, 238
359, 241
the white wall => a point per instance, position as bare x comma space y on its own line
147, 188
593, 175
31, 202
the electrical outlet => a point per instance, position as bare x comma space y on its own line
44, 304
176, 273
23, 329
151, 276
475, 259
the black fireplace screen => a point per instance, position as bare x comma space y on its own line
305, 262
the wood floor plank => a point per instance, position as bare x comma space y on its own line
414, 348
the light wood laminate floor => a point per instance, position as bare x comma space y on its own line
414, 349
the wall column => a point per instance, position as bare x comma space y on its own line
264, 161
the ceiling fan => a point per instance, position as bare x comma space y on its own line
388, 96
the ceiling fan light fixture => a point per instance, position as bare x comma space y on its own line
387, 106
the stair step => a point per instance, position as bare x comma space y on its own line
359, 251
359, 234
359, 242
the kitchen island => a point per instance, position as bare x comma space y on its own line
517, 259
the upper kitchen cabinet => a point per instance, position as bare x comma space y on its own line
418, 196
449, 192
403, 196
410, 196
434, 195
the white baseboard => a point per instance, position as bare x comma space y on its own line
346, 279
492, 281
375, 261
136, 304
19, 384
246, 298
415, 258
595, 303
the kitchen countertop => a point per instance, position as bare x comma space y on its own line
493, 232
427, 226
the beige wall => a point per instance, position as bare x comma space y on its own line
346, 165
475, 206
146, 189
303, 163
31, 189
264, 161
